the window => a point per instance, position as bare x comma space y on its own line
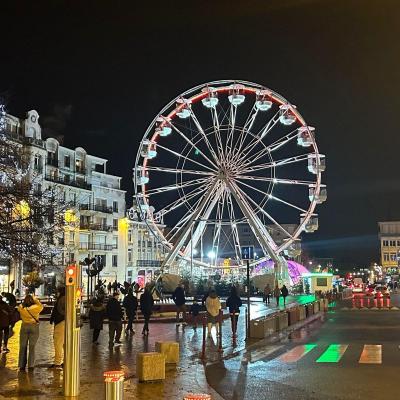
322, 281
130, 237
392, 243
115, 206
386, 243
114, 260
129, 255
99, 168
115, 242
37, 162
149, 243
67, 161
67, 178
392, 256
398, 243
385, 256
115, 224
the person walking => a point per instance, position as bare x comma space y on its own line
29, 311
58, 319
5, 322
234, 302
195, 312
213, 305
109, 287
267, 293
97, 312
179, 299
130, 304
146, 307
115, 314
284, 292
277, 293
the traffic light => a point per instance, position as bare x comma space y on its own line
70, 275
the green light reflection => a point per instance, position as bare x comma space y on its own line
332, 354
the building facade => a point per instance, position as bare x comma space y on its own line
389, 238
96, 202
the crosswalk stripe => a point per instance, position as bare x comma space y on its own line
333, 353
260, 354
371, 354
297, 353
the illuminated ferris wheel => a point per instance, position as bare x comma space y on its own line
222, 159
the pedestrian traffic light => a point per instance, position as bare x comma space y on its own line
70, 275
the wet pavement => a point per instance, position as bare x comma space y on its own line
188, 376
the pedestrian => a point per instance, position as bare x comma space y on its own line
213, 305
58, 319
130, 304
284, 292
114, 313
29, 312
97, 312
179, 299
277, 293
234, 302
114, 286
194, 312
146, 307
5, 322
267, 293
10, 299
109, 287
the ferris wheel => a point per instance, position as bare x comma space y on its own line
225, 162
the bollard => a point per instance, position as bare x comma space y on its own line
197, 396
245, 321
220, 316
114, 381
203, 350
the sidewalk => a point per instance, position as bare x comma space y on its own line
189, 376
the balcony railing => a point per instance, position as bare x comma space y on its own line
80, 170
95, 246
96, 207
96, 227
74, 183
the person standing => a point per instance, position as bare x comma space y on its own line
277, 293
97, 312
234, 302
114, 313
179, 299
213, 305
109, 287
58, 319
130, 304
284, 292
195, 312
5, 322
267, 293
146, 307
29, 312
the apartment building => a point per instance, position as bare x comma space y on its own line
389, 237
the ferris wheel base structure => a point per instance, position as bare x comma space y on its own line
222, 159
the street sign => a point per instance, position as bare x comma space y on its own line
247, 252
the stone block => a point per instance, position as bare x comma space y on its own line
281, 321
316, 306
170, 351
302, 313
150, 366
293, 315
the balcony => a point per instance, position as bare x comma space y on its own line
80, 170
34, 142
96, 227
74, 183
52, 162
95, 246
96, 207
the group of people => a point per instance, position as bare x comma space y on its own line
276, 292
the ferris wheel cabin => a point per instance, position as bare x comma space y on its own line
263, 102
236, 96
149, 149
316, 163
286, 115
318, 197
311, 225
305, 136
163, 127
142, 176
211, 100
184, 108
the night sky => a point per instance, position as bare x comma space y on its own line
99, 73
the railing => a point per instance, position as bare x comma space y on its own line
96, 227
95, 246
96, 207
74, 183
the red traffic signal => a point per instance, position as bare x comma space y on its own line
70, 275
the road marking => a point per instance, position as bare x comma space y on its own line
333, 353
297, 353
371, 354
257, 355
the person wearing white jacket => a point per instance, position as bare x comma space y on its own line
213, 305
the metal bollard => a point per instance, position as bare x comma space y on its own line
220, 317
203, 349
114, 381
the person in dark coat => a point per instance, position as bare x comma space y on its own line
146, 307
233, 302
58, 319
97, 313
109, 287
277, 294
130, 304
284, 293
5, 322
179, 299
115, 315
195, 312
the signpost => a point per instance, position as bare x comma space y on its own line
72, 331
248, 254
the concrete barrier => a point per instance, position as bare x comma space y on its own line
309, 310
281, 321
150, 367
302, 313
262, 327
293, 315
316, 307
170, 351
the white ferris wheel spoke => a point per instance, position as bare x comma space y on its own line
231, 131
217, 133
276, 180
234, 227
178, 155
189, 141
177, 170
184, 184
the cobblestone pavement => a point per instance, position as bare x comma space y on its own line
188, 376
